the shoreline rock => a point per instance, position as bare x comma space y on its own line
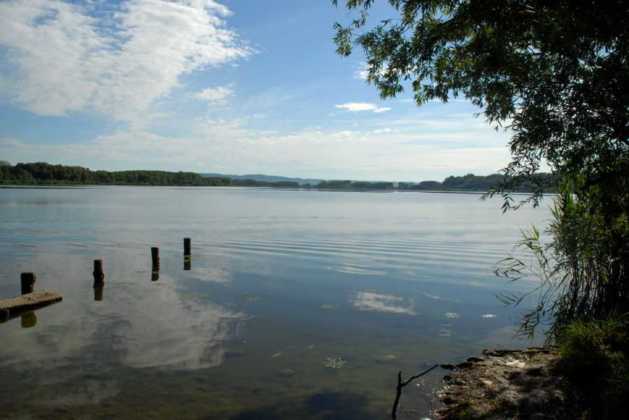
504, 384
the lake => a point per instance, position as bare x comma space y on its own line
296, 304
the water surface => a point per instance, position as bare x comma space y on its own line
297, 304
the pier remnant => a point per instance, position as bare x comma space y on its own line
27, 281
98, 292
187, 254
155, 258
155, 263
28, 319
28, 302
99, 275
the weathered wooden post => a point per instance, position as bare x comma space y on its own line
98, 292
27, 281
99, 275
155, 258
28, 319
187, 254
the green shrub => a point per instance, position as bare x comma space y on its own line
595, 362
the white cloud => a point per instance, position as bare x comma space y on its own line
362, 73
71, 57
230, 147
362, 107
214, 95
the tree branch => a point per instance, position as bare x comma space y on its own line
401, 384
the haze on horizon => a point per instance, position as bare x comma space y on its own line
207, 86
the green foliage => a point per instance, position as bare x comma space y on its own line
580, 267
354, 185
595, 361
490, 182
555, 73
41, 173
468, 182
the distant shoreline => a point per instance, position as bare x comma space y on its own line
314, 189
45, 175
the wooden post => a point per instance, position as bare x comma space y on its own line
98, 292
186, 246
29, 302
155, 258
28, 282
187, 259
99, 275
28, 319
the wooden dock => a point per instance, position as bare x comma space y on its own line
10, 308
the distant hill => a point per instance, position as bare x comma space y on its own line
265, 178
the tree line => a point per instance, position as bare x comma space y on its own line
469, 182
40, 173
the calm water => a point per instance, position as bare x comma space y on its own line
281, 283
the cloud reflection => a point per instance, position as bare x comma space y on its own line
371, 301
140, 324
168, 331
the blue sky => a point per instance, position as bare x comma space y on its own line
231, 86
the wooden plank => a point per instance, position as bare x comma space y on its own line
29, 301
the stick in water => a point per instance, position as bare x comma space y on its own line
401, 384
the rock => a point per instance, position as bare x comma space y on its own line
535, 371
514, 384
464, 365
518, 364
487, 383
